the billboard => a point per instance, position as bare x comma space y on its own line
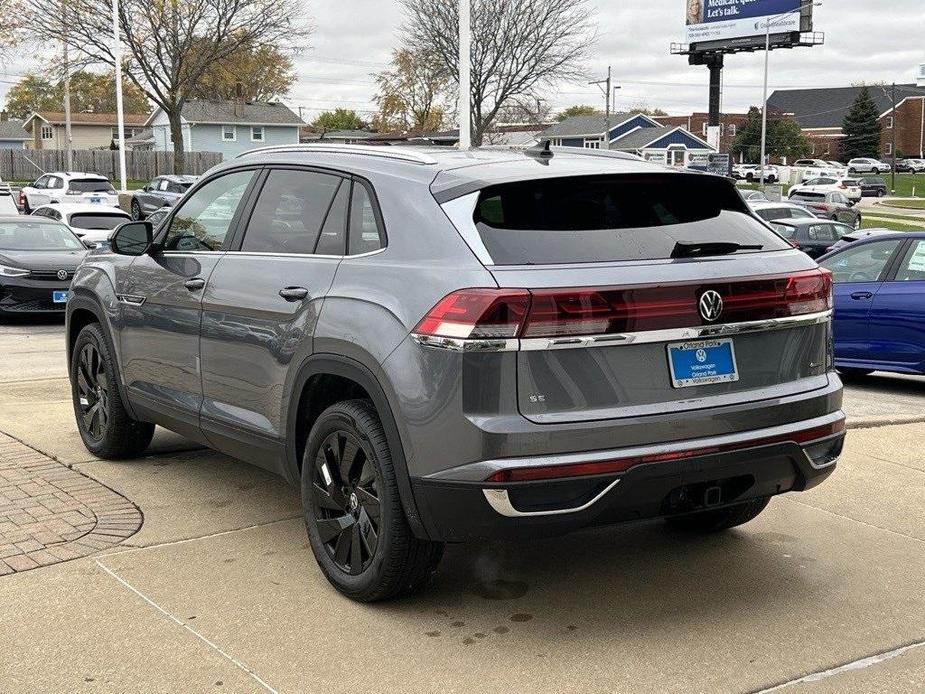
715, 22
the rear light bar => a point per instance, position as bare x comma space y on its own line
522, 313
601, 467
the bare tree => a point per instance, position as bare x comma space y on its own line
411, 93
170, 44
518, 46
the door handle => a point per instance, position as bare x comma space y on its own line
293, 293
861, 295
195, 284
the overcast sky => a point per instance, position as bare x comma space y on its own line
866, 40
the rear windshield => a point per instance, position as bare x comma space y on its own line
90, 185
611, 218
97, 221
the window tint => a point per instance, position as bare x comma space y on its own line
861, 263
821, 232
202, 223
163, 184
41, 182
333, 239
83, 220
178, 188
604, 218
912, 267
91, 185
290, 212
365, 235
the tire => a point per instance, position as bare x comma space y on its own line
340, 508
875, 172
846, 371
25, 207
880, 192
137, 214
107, 431
720, 519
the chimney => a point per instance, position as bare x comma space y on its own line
4, 116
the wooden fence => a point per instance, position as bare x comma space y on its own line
29, 164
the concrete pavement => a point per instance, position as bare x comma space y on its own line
218, 591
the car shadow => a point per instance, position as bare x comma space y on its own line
883, 383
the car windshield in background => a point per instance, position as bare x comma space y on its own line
613, 218
97, 221
91, 185
29, 236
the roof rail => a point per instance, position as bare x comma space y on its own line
610, 153
383, 151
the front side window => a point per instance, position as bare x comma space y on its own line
863, 263
41, 182
912, 267
229, 133
291, 211
257, 133
164, 184
202, 223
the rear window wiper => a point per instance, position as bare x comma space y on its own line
684, 249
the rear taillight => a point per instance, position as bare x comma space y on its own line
477, 314
22, 199
548, 313
622, 464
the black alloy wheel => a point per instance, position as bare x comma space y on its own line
93, 392
345, 486
136, 211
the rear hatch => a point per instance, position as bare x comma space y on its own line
92, 191
650, 293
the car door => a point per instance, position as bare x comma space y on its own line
857, 272
160, 296
897, 314
146, 196
261, 306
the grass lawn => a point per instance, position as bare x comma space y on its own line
867, 223
914, 203
905, 183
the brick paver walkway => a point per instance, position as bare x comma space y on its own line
50, 513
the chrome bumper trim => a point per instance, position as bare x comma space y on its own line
533, 344
500, 501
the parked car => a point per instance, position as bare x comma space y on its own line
92, 224
910, 165
69, 186
838, 166
832, 205
772, 211
755, 195
163, 191
858, 235
441, 346
38, 258
815, 168
850, 187
865, 165
7, 203
815, 237
880, 304
872, 187
752, 173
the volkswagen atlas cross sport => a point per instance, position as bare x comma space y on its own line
443, 346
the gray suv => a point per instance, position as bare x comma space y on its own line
163, 191
443, 346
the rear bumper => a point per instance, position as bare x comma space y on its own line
457, 506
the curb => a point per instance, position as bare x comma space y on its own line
883, 421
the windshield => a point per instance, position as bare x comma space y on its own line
32, 236
90, 185
587, 219
97, 221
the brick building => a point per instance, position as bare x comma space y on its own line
730, 124
820, 113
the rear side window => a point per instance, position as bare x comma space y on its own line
290, 212
610, 218
365, 233
97, 221
89, 185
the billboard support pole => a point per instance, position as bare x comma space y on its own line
715, 64
764, 98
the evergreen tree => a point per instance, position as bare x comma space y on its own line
784, 138
861, 128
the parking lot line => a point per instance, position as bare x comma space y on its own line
237, 663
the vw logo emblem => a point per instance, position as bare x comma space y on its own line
701, 355
62, 274
711, 305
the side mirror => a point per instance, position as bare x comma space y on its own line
132, 238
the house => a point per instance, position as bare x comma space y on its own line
12, 135
635, 133
730, 124
143, 140
228, 127
821, 112
47, 129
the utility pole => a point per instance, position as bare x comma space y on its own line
120, 117
893, 147
465, 50
607, 87
68, 144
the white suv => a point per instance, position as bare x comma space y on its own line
69, 186
849, 187
864, 165
814, 168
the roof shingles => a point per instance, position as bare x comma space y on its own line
827, 108
247, 112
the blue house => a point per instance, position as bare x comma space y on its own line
635, 133
229, 127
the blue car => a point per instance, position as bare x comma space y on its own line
880, 304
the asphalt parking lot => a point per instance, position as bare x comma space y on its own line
217, 590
